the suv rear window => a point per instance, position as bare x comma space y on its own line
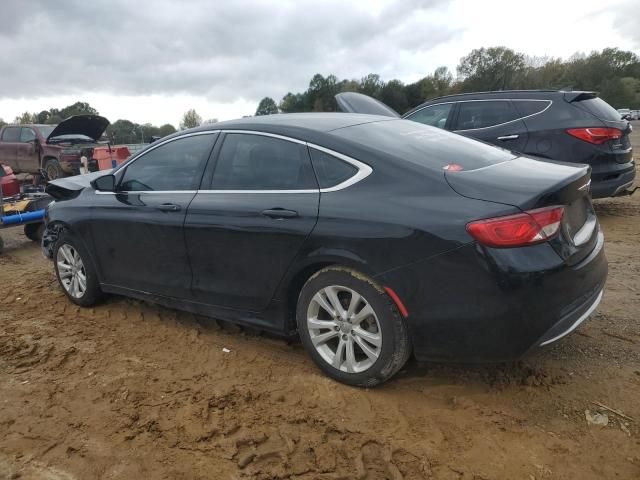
484, 113
599, 108
423, 145
530, 107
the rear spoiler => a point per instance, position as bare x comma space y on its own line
579, 96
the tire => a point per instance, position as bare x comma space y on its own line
53, 169
66, 251
34, 231
374, 337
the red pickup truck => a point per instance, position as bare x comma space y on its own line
55, 148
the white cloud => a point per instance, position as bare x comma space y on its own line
151, 62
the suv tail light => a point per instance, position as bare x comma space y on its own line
596, 135
528, 228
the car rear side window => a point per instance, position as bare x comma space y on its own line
330, 171
176, 165
527, 108
258, 162
11, 134
484, 113
434, 115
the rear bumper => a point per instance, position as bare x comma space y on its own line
614, 181
572, 321
478, 304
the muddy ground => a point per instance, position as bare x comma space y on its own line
128, 390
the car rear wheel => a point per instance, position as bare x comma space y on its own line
75, 273
351, 328
53, 169
34, 231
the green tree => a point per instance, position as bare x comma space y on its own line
371, 85
190, 119
267, 106
166, 129
292, 103
393, 94
78, 108
26, 118
494, 68
2, 122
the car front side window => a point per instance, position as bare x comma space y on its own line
434, 115
174, 166
259, 162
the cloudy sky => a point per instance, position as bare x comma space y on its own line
151, 61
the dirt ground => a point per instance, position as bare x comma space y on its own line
128, 390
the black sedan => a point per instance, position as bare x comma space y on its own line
370, 237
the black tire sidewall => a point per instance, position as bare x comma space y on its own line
395, 343
93, 293
55, 164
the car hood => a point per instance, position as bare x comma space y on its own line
352, 102
92, 126
69, 187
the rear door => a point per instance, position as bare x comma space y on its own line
246, 225
138, 230
27, 151
493, 121
9, 147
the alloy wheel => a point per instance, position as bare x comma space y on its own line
71, 271
344, 329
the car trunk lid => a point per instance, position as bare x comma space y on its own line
353, 102
530, 184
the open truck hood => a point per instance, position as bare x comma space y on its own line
352, 102
92, 126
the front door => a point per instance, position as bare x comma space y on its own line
247, 225
27, 151
9, 147
138, 230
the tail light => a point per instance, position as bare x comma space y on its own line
596, 135
528, 228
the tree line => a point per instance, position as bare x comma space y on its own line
612, 72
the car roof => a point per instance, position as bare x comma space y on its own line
502, 94
313, 122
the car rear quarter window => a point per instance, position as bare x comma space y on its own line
484, 113
330, 171
423, 145
173, 166
434, 115
258, 162
11, 134
526, 108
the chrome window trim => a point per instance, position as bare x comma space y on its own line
550, 102
363, 172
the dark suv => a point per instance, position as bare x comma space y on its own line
567, 126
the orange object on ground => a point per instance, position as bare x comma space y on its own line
110, 157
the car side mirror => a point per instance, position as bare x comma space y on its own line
106, 183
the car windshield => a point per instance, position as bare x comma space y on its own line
424, 145
45, 130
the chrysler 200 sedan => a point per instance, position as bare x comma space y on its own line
369, 237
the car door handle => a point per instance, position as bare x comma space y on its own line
279, 213
168, 207
508, 137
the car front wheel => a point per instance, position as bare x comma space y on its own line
351, 328
75, 272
